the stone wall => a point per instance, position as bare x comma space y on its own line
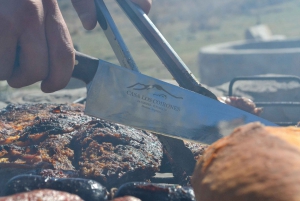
222, 62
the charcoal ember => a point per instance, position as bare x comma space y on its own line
58, 140
114, 154
162, 192
84, 188
45, 195
242, 103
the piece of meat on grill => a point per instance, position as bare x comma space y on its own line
113, 154
35, 133
159, 191
197, 149
85, 188
60, 137
182, 156
42, 195
37, 136
242, 103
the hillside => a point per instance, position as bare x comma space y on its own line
187, 25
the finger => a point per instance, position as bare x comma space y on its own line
32, 54
32, 65
8, 44
86, 11
60, 47
144, 4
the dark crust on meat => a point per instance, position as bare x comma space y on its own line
197, 149
111, 153
56, 173
40, 133
182, 156
61, 136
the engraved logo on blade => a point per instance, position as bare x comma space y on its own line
140, 86
161, 95
154, 98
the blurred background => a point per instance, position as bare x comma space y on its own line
187, 25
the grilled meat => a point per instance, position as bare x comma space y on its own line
162, 192
45, 195
113, 153
242, 103
31, 134
197, 149
182, 157
59, 137
86, 189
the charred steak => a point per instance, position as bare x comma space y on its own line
60, 137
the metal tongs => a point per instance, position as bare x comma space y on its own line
128, 97
155, 39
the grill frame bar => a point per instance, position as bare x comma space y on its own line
283, 78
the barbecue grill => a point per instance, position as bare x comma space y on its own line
269, 104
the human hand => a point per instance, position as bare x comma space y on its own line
87, 12
35, 44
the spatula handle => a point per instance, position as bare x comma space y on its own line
85, 67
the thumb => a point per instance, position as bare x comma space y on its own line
87, 12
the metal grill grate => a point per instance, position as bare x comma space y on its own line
286, 78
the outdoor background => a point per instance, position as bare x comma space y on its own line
187, 25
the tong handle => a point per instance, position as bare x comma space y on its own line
114, 37
163, 49
85, 67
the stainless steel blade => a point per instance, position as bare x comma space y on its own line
127, 97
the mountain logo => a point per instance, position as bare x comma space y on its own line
140, 86
161, 95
